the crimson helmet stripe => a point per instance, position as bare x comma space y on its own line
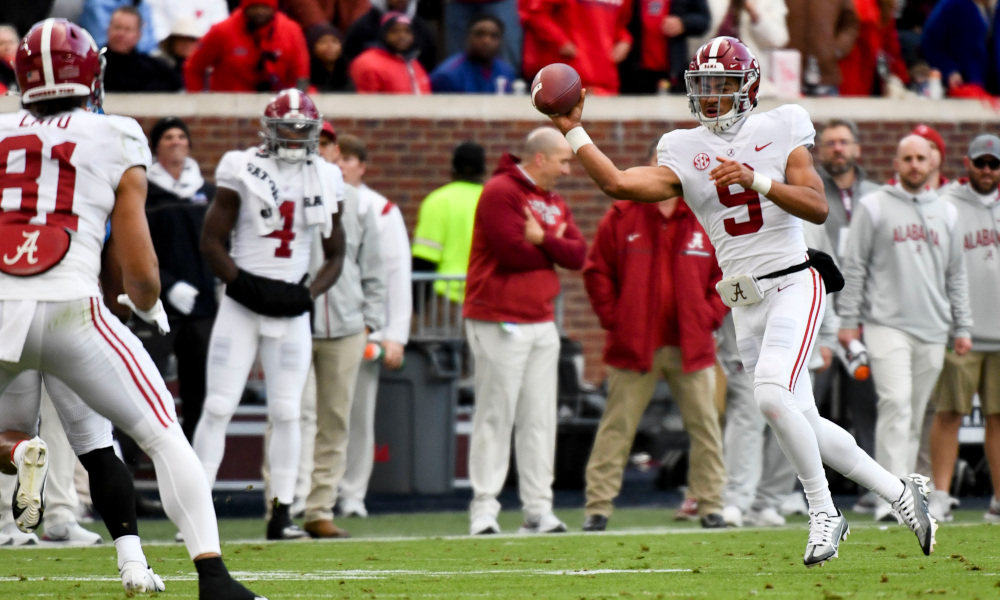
47, 69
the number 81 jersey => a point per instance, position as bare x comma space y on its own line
58, 177
751, 234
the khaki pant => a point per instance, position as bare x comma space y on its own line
336, 363
629, 393
515, 392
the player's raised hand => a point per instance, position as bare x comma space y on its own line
572, 119
729, 172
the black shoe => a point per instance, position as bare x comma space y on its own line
147, 507
215, 583
281, 527
595, 523
713, 521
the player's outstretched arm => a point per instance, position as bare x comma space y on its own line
802, 195
642, 184
334, 248
133, 247
219, 222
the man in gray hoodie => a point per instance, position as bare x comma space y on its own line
906, 283
978, 208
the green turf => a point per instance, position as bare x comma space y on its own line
643, 555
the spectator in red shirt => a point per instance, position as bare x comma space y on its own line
339, 13
660, 31
366, 31
876, 36
257, 49
389, 67
589, 36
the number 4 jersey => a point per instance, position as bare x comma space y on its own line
284, 253
58, 176
751, 234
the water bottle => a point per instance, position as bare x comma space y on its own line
373, 352
935, 89
501, 85
812, 76
520, 87
855, 359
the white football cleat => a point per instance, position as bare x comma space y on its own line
825, 534
137, 577
911, 509
28, 505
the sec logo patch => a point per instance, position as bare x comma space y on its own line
702, 161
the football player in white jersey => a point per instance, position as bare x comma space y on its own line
65, 173
269, 201
750, 179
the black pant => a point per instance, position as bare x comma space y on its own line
849, 402
188, 341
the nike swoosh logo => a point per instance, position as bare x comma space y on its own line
786, 287
759, 148
633, 236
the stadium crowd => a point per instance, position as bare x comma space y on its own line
842, 47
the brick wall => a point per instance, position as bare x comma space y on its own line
409, 157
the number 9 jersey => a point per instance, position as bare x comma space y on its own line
58, 177
751, 234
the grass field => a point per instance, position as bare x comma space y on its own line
643, 555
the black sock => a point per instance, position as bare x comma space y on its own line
112, 491
211, 567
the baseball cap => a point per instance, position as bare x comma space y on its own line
985, 144
931, 135
329, 130
187, 27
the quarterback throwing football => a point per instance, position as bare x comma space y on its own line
750, 181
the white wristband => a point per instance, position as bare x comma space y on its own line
578, 138
761, 184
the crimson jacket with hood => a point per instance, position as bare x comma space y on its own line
511, 280
621, 274
235, 59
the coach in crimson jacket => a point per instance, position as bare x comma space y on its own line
651, 278
522, 231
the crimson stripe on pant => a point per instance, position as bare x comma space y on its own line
95, 317
809, 334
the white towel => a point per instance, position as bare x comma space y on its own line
263, 190
264, 198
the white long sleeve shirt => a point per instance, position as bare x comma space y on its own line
396, 259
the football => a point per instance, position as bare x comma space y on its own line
556, 89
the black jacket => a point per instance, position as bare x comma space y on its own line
175, 225
136, 72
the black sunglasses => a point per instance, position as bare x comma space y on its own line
982, 162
